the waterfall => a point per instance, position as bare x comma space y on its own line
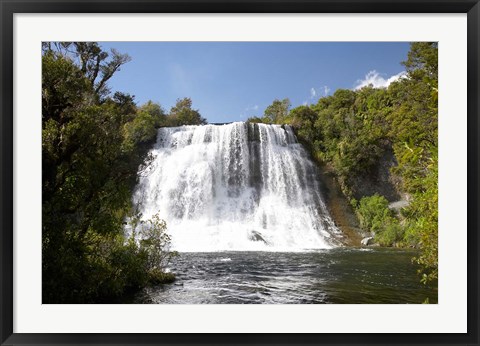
239, 186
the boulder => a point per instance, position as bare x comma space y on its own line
256, 236
367, 241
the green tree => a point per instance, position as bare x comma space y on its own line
422, 63
303, 119
415, 116
64, 87
277, 111
183, 114
376, 217
125, 102
372, 212
92, 147
255, 120
155, 243
96, 65
142, 130
352, 130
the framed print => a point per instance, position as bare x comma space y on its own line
239, 172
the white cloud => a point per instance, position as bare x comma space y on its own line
326, 90
377, 81
250, 111
253, 108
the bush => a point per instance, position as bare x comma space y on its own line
375, 216
390, 234
372, 212
157, 277
155, 244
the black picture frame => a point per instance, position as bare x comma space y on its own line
9, 7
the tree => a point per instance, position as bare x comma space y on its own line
422, 62
155, 111
97, 66
155, 242
183, 114
376, 217
142, 130
414, 120
351, 130
92, 147
255, 120
303, 119
64, 86
277, 111
125, 102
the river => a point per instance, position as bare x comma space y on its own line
333, 276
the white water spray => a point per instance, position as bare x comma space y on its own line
235, 187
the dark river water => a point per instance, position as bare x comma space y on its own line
336, 276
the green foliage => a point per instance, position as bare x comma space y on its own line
140, 130
103, 267
157, 277
124, 102
155, 111
375, 216
155, 242
143, 128
372, 212
391, 234
347, 131
303, 118
183, 114
92, 146
255, 120
423, 221
352, 129
414, 117
95, 64
64, 86
277, 112
422, 62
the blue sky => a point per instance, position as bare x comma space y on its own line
231, 81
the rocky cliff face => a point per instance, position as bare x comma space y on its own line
340, 208
338, 192
378, 181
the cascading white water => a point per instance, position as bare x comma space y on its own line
239, 186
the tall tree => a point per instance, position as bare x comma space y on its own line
92, 146
97, 65
183, 114
277, 111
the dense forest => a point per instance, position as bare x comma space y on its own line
94, 141
360, 133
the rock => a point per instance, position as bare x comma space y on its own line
379, 179
256, 236
397, 205
367, 241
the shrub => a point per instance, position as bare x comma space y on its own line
372, 212
155, 244
390, 234
375, 216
